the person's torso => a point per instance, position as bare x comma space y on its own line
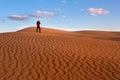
38, 24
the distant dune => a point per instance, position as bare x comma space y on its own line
59, 55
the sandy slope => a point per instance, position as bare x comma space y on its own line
59, 55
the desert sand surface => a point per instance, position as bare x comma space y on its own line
59, 55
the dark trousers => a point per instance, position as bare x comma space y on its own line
38, 28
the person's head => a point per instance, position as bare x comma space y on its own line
38, 21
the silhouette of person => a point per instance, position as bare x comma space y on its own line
38, 26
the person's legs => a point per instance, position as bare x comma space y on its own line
39, 30
36, 29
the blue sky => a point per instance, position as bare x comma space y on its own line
60, 14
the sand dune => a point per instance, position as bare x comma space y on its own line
59, 55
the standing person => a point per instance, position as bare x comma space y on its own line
38, 26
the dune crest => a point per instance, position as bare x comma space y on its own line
44, 30
59, 55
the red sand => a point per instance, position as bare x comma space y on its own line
59, 55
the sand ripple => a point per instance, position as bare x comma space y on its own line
34, 56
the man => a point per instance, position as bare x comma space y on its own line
38, 26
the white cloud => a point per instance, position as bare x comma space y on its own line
35, 15
93, 14
18, 17
58, 9
64, 1
45, 13
48, 18
55, 9
64, 16
39, 13
97, 11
